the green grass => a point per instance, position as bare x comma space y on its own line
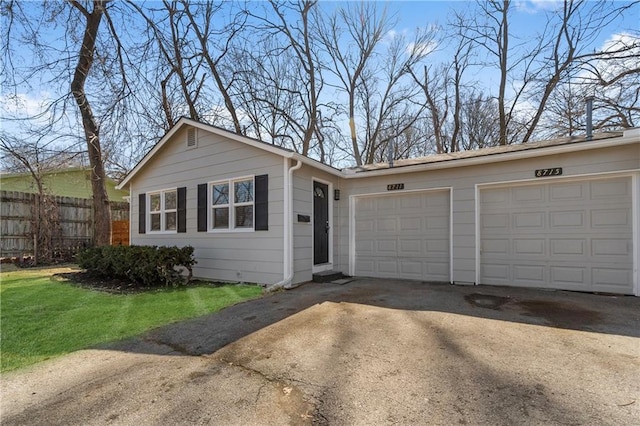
43, 318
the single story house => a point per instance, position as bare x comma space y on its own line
562, 214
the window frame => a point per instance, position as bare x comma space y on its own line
231, 205
162, 212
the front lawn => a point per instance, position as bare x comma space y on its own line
43, 318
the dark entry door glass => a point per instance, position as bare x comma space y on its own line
320, 223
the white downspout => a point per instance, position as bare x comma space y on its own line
288, 229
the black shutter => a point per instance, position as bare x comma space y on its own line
182, 209
262, 202
202, 207
142, 213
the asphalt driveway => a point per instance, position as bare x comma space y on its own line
366, 353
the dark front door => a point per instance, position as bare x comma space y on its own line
320, 223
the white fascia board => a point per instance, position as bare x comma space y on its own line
497, 158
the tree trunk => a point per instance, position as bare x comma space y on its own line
101, 211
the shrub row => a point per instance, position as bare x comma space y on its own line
148, 266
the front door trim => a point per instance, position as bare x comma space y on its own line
329, 265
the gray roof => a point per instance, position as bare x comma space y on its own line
494, 150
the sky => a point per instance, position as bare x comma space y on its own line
526, 20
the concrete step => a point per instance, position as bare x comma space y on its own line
327, 276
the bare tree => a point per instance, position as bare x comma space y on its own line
101, 210
351, 36
292, 24
389, 95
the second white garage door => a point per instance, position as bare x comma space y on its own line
573, 235
403, 236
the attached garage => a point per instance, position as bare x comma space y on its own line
564, 234
403, 235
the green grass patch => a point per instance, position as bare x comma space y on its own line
44, 318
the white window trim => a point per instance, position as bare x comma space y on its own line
231, 206
162, 212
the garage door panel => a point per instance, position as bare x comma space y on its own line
411, 224
410, 237
491, 197
437, 271
528, 220
529, 247
411, 269
496, 271
566, 246
528, 194
609, 218
437, 246
384, 247
410, 247
615, 247
495, 247
385, 204
567, 192
609, 189
531, 274
568, 274
578, 237
437, 223
388, 268
388, 224
571, 219
610, 279
410, 203
365, 225
499, 221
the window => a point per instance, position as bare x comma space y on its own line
232, 205
163, 211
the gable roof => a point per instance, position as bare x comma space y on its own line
184, 122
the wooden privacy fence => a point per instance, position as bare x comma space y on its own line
74, 221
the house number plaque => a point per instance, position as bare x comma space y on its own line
554, 171
395, 186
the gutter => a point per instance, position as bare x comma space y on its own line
288, 228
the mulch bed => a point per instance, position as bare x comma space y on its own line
91, 281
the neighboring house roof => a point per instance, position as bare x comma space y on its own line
72, 182
430, 162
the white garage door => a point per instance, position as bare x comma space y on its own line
565, 235
403, 236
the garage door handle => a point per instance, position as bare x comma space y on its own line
327, 227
